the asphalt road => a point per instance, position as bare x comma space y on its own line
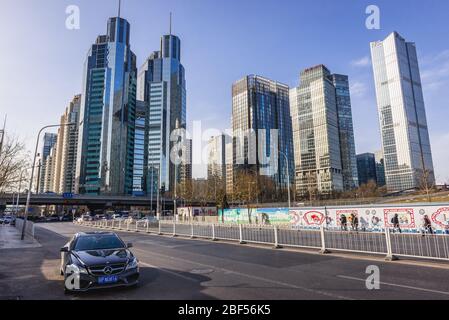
184, 269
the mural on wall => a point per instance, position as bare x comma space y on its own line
411, 219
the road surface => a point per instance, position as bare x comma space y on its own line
185, 269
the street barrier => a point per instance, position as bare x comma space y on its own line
387, 242
29, 227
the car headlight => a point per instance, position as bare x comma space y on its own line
73, 268
132, 264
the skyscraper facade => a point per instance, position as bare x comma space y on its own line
260, 104
366, 165
49, 141
402, 115
216, 164
107, 118
140, 168
161, 83
380, 168
346, 131
316, 134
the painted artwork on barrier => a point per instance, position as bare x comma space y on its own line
411, 218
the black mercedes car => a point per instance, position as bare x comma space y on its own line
96, 260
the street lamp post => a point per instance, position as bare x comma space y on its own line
32, 174
18, 194
288, 178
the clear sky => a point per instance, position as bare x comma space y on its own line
41, 62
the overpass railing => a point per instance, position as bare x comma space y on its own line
389, 243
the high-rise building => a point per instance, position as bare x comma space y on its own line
403, 123
49, 141
216, 165
185, 168
140, 168
229, 158
323, 133
107, 118
380, 168
262, 131
346, 131
161, 83
366, 165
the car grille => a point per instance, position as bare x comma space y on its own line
99, 270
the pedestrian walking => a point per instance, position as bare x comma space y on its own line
427, 225
343, 222
395, 223
355, 223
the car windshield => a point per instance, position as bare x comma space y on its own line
98, 242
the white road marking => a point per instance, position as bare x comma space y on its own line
167, 271
397, 285
279, 283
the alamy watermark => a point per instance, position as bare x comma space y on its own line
372, 282
73, 21
373, 20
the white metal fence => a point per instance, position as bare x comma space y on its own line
325, 239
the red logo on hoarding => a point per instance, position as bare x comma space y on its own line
314, 218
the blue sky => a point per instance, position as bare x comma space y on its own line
223, 40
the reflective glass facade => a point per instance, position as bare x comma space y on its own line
261, 104
161, 83
366, 165
140, 155
316, 135
403, 123
107, 120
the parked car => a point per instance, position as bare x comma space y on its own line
101, 259
7, 220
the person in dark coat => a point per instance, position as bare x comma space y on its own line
395, 222
343, 222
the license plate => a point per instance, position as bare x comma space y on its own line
107, 280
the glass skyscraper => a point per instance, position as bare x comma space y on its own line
107, 119
323, 133
402, 115
346, 131
366, 165
161, 83
140, 168
261, 104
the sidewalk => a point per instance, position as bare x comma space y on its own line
10, 239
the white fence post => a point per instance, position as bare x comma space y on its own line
137, 224
213, 232
160, 233
241, 234
323, 242
127, 225
174, 228
148, 226
120, 224
276, 238
390, 256
191, 229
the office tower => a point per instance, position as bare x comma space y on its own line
346, 131
161, 83
185, 168
64, 160
140, 168
49, 171
260, 105
316, 134
107, 119
402, 115
49, 141
366, 165
380, 168
216, 164
229, 153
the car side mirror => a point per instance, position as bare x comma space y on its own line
129, 245
64, 249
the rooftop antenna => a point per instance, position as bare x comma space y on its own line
170, 22
119, 7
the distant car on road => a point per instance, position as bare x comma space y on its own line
8, 220
101, 259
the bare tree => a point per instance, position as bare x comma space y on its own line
427, 183
14, 159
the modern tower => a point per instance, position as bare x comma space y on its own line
107, 119
366, 165
260, 108
49, 141
216, 164
140, 168
346, 131
322, 133
402, 115
161, 84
